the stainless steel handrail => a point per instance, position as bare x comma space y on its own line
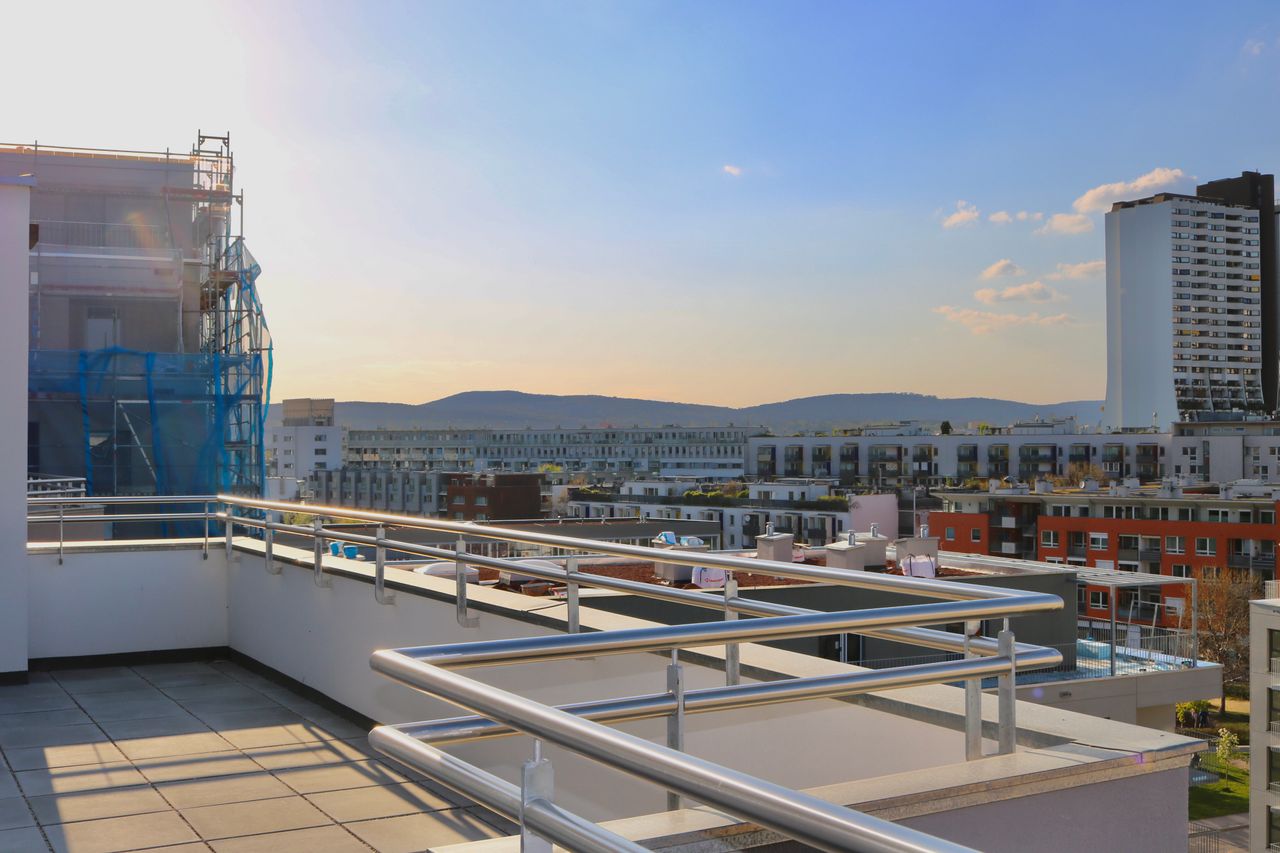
733, 697
794, 814
575, 832
930, 638
708, 559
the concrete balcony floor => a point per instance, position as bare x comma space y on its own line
204, 756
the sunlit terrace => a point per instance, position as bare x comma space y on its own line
231, 656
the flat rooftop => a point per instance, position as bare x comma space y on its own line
199, 756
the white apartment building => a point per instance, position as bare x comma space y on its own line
1186, 307
812, 511
307, 441
704, 452
1264, 721
1219, 451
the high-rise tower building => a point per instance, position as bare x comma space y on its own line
1191, 304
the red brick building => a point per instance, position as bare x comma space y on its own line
1156, 531
490, 497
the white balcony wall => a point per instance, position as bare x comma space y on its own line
109, 598
323, 637
112, 599
15, 216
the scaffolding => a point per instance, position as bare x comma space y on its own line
150, 361
233, 329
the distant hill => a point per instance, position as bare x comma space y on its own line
517, 410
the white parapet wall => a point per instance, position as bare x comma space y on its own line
898, 754
15, 219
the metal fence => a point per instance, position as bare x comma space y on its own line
580, 727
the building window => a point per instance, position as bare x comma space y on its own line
1099, 599
322, 451
482, 500
1048, 538
459, 499
1180, 570
1097, 541
1210, 572
1175, 544
975, 534
950, 533
321, 437
1206, 546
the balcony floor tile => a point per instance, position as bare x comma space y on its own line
205, 757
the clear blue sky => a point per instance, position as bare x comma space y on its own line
715, 202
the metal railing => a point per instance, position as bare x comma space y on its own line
579, 727
119, 235
1083, 659
54, 486
62, 510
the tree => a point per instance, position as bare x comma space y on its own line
1227, 746
1224, 624
1078, 472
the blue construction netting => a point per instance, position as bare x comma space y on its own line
144, 422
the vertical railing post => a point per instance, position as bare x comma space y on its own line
675, 720
268, 545
460, 584
972, 702
732, 653
380, 593
1007, 693
537, 782
1111, 596
571, 595
205, 548
227, 529
317, 552
61, 509
1195, 623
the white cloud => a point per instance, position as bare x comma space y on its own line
1066, 223
1002, 267
1028, 216
730, 169
1032, 291
986, 322
1253, 47
1100, 198
1000, 217
1087, 269
965, 214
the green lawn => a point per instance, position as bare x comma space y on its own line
1228, 796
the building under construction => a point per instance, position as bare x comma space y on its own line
150, 359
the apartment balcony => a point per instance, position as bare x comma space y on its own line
1007, 522
1075, 551
1127, 554
255, 733
1252, 561
1149, 555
